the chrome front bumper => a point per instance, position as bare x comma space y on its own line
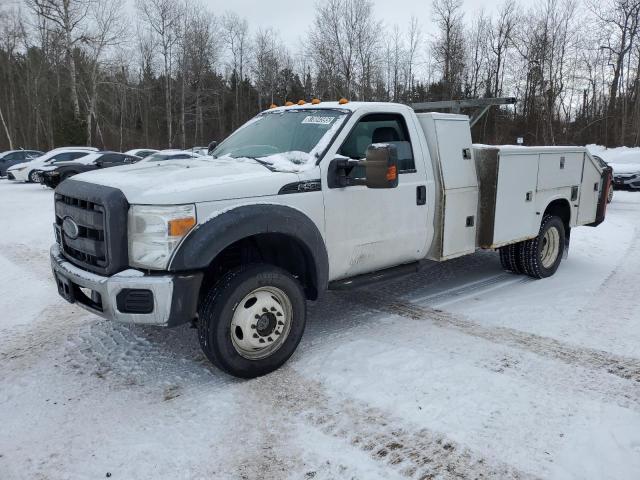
175, 297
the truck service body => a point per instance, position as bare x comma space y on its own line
288, 209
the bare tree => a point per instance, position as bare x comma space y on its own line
163, 18
448, 45
236, 36
69, 16
108, 29
343, 39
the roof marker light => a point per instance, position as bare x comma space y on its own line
342, 101
301, 102
273, 105
315, 101
288, 104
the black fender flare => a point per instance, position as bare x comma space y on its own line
203, 244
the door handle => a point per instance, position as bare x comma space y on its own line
421, 195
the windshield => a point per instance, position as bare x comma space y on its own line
289, 140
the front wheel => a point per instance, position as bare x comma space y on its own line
33, 176
252, 320
540, 257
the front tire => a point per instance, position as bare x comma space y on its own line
540, 257
33, 177
252, 320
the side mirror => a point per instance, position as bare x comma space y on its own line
381, 166
212, 146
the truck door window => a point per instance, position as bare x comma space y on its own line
379, 128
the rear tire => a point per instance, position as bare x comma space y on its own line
541, 256
251, 321
510, 258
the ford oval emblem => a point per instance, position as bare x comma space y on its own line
70, 228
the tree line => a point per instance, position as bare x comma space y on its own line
169, 73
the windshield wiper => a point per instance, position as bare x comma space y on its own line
262, 162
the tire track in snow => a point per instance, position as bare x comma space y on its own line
624, 367
414, 453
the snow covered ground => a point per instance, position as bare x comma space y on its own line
460, 371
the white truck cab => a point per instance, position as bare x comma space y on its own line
301, 199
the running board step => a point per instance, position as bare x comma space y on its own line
378, 276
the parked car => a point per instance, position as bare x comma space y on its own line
28, 171
140, 152
199, 150
52, 175
164, 155
14, 157
626, 176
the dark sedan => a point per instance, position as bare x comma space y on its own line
52, 176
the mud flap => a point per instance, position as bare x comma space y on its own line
567, 241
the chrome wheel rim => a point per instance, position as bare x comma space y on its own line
261, 323
550, 247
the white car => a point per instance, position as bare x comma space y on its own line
141, 152
27, 172
164, 155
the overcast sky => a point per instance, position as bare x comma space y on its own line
291, 18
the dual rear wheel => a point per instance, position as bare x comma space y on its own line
538, 257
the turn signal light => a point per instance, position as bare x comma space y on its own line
392, 173
342, 101
301, 102
288, 104
315, 101
180, 226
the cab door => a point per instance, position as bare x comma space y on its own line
372, 229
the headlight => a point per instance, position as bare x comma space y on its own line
156, 231
18, 169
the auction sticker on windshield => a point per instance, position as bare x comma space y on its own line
318, 120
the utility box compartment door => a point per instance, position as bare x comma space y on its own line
460, 222
559, 169
454, 150
515, 198
589, 193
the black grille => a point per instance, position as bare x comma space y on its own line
100, 214
88, 247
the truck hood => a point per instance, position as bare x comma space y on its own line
190, 181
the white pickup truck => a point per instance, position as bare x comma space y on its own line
302, 199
